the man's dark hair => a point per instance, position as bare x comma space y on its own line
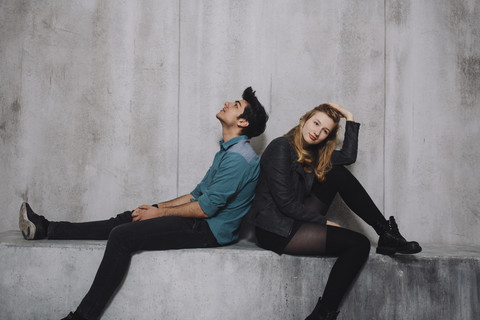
254, 113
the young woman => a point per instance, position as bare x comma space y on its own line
301, 173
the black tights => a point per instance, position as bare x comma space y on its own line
352, 248
340, 180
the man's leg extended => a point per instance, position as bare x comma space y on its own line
154, 234
36, 227
93, 230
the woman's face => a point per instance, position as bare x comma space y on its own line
317, 128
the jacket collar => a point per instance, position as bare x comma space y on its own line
231, 142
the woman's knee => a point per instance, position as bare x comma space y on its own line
361, 247
361, 243
364, 245
341, 240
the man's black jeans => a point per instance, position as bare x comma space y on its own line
125, 238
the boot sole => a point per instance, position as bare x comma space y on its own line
26, 226
388, 251
410, 251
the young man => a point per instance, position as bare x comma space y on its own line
209, 216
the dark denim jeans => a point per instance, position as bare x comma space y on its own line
125, 238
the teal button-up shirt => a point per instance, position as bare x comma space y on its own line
226, 192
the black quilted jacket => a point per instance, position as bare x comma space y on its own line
284, 185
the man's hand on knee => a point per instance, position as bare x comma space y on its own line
145, 212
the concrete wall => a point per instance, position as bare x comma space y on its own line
106, 105
432, 118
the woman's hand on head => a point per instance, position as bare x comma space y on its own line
347, 114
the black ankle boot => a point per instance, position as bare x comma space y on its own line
33, 226
321, 312
391, 241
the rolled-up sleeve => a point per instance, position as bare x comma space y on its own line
219, 185
196, 192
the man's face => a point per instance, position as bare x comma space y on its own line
231, 111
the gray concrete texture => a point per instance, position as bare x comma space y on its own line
106, 105
235, 282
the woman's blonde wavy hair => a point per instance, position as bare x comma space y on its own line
317, 157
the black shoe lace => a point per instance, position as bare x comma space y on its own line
393, 225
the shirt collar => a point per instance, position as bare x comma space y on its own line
231, 142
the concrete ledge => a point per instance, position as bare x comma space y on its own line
47, 279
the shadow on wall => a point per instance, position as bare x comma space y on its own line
259, 144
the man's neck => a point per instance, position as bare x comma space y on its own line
230, 134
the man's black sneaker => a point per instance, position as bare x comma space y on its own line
73, 316
33, 226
